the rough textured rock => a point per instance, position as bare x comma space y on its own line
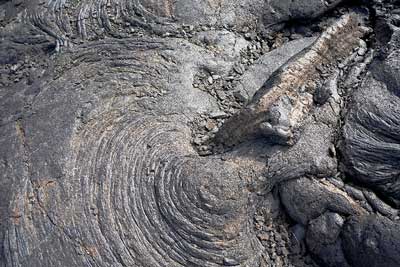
265, 66
278, 12
306, 199
371, 139
115, 116
371, 240
130, 140
282, 103
323, 239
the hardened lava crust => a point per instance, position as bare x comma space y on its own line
199, 133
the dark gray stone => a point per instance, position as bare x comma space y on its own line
285, 10
306, 199
101, 103
371, 140
323, 239
371, 241
261, 70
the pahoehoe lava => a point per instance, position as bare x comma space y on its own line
158, 202
133, 133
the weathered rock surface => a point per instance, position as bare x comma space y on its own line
306, 199
324, 241
254, 78
373, 124
285, 99
109, 113
372, 241
278, 12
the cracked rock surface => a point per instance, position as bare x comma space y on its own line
199, 133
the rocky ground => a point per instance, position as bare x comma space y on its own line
199, 133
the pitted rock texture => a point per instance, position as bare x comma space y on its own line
199, 133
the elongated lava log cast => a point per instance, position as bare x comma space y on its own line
280, 106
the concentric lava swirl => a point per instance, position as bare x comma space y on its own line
156, 203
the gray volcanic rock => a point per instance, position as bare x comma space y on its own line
265, 66
306, 199
324, 241
371, 132
283, 11
282, 104
122, 134
370, 240
120, 143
